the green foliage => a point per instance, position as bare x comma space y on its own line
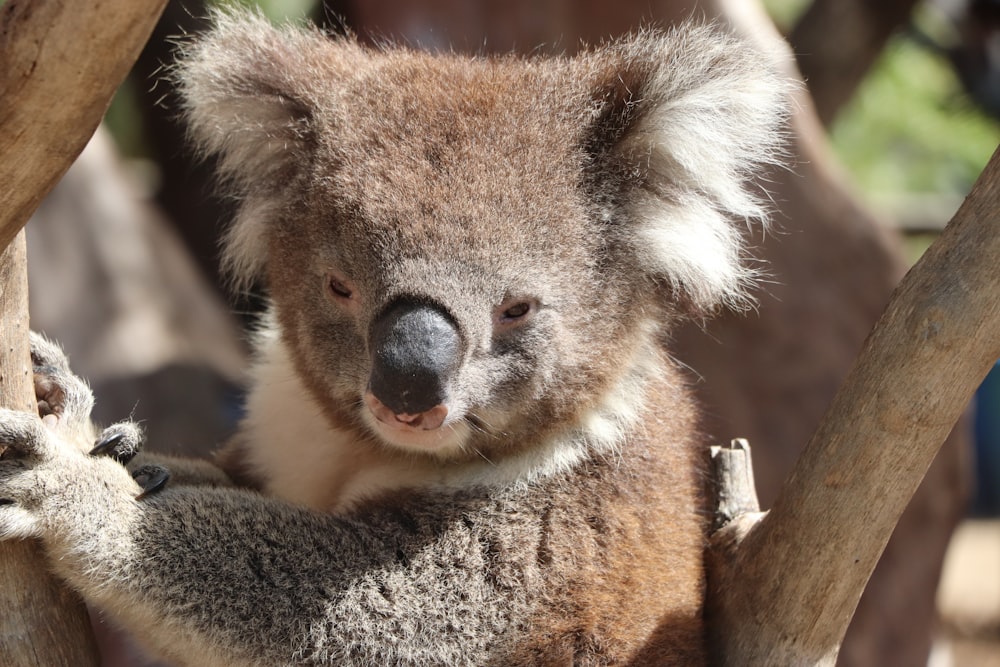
124, 120
785, 12
911, 128
280, 9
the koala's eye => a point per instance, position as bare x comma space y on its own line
517, 311
339, 287
514, 312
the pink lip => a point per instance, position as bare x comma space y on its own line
430, 420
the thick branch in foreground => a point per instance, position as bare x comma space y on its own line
60, 63
783, 590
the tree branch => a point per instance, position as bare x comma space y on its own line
60, 63
782, 591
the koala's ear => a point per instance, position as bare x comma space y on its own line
684, 118
251, 92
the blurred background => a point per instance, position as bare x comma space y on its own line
896, 118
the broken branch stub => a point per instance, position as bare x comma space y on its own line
736, 493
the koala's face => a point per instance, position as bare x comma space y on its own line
466, 254
443, 275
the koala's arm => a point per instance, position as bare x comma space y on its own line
208, 574
219, 576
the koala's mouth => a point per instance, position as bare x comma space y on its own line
429, 430
428, 420
416, 350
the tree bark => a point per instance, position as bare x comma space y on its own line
783, 590
43, 623
60, 63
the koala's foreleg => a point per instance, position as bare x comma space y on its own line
223, 576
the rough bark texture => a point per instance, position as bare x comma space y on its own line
61, 62
811, 556
837, 41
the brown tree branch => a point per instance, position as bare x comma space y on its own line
837, 41
60, 63
43, 622
782, 591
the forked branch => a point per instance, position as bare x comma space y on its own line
783, 589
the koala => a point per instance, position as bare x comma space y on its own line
465, 440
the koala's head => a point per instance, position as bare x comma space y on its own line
464, 254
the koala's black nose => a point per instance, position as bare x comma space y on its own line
415, 349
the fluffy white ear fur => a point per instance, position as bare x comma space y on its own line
250, 90
703, 113
709, 112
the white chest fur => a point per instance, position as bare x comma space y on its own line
300, 456
302, 459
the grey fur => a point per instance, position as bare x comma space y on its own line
560, 213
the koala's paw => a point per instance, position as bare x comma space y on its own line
28, 447
152, 478
121, 442
51, 489
64, 400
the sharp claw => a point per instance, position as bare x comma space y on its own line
155, 480
106, 445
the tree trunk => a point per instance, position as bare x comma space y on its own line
60, 63
44, 623
783, 588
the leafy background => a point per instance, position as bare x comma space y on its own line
911, 138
